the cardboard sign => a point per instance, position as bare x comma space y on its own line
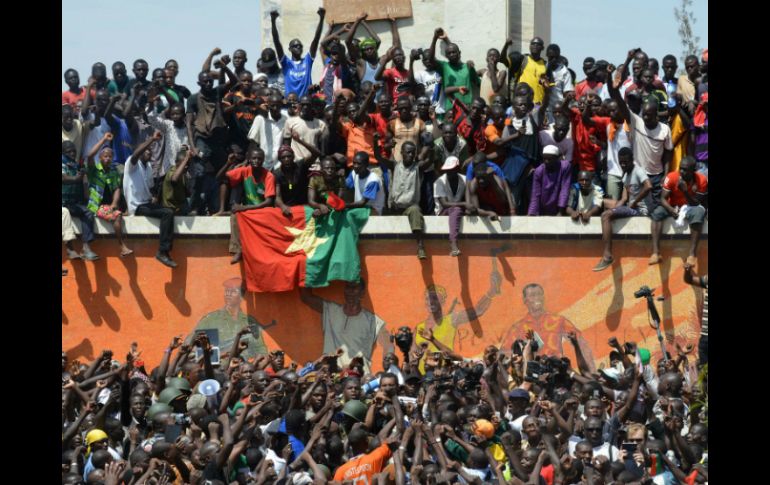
342, 11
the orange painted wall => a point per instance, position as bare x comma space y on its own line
115, 301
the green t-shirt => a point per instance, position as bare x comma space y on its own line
453, 77
174, 194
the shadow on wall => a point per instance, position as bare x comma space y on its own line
175, 289
83, 350
95, 302
133, 283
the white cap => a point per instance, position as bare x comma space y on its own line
450, 163
551, 150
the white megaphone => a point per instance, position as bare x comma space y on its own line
210, 388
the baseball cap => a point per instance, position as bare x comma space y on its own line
483, 428
518, 393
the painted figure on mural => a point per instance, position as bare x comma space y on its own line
230, 319
552, 328
441, 325
349, 326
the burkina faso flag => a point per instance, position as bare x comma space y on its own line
281, 253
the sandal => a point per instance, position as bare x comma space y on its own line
603, 264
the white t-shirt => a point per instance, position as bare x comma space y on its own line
603, 449
441, 188
137, 182
649, 145
360, 185
309, 131
94, 134
622, 139
633, 182
268, 133
431, 81
355, 335
562, 84
174, 137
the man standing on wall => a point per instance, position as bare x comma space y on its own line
552, 328
230, 320
349, 326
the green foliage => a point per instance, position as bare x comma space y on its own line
685, 18
701, 397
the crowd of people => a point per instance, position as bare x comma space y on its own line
514, 416
519, 136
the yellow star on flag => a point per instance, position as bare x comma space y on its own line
305, 239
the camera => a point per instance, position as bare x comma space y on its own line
643, 292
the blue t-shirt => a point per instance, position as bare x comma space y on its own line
297, 74
495, 168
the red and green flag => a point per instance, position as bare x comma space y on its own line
281, 253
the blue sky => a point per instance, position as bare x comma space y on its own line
95, 30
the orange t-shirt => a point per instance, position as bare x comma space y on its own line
360, 139
492, 133
364, 467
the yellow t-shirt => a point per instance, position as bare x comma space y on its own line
444, 332
531, 75
681, 140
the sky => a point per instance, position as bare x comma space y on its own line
158, 31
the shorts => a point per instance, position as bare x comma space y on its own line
625, 211
695, 215
108, 213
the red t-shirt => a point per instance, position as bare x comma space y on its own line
699, 185
258, 184
393, 79
585, 86
585, 152
70, 98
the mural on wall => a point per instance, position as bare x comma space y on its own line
349, 326
552, 328
229, 320
444, 324
491, 295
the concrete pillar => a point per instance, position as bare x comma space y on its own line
472, 24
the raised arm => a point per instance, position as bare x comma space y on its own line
383, 62
394, 32
385, 162
504, 51
207, 62
372, 33
95, 149
614, 89
437, 34
317, 37
144, 146
276, 39
352, 49
179, 172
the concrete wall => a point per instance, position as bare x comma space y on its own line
475, 26
115, 301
